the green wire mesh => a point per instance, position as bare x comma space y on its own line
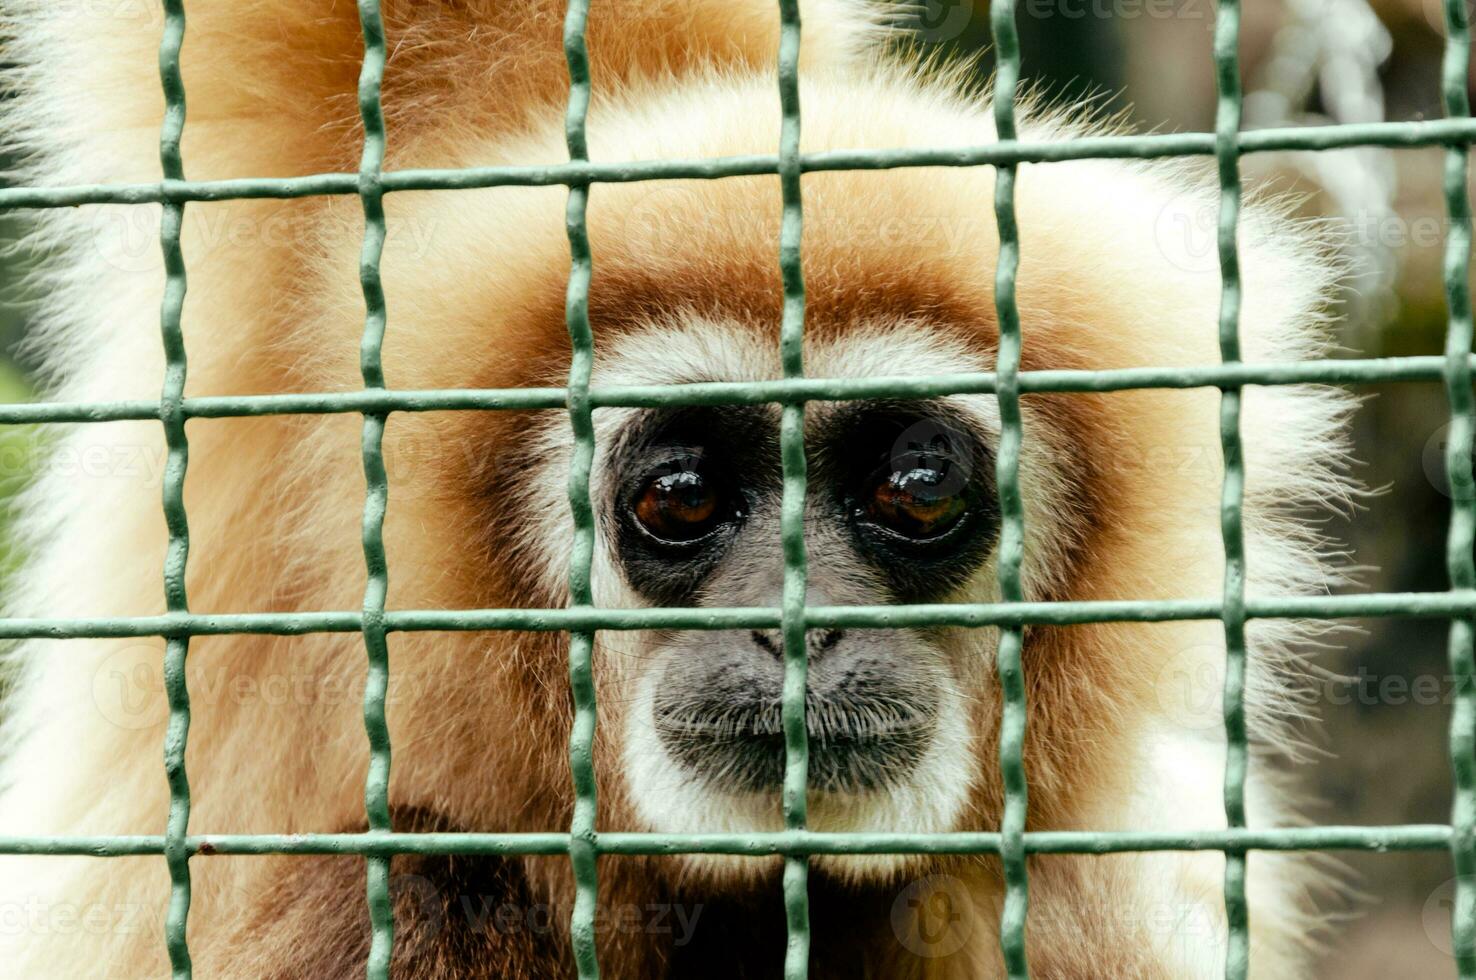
376, 492
176, 557
581, 843
1011, 508
1232, 493
792, 507
1460, 560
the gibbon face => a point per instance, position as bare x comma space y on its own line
902, 507
901, 513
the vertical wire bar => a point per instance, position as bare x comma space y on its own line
1232, 492
583, 843
176, 558
1461, 536
792, 509
376, 490
1009, 658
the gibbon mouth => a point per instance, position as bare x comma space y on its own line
856, 745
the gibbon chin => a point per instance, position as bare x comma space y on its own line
1121, 489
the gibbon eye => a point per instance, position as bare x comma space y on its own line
920, 503
682, 506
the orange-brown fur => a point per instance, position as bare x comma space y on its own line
480, 722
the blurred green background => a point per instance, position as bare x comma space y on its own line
1305, 61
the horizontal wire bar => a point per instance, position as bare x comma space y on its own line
1428, 132
1404, 837
1352, 371
1375, 605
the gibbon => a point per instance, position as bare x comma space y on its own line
1121, 488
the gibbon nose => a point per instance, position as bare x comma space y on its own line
817, 641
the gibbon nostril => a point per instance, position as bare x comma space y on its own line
819, 641
765, 643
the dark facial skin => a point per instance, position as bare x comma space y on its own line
901, 508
